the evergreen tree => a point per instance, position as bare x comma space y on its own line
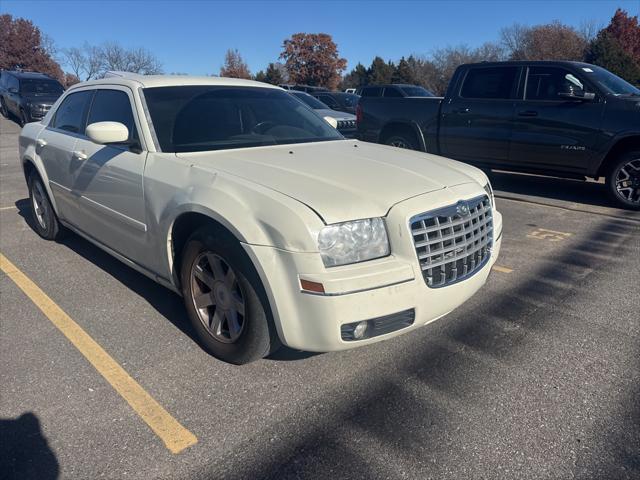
607, 52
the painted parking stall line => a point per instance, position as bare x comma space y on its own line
175, 437
500, 269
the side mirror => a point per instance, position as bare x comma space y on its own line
331, 121
13, 90
105, 133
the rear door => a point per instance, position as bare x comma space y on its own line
476, 121
56, 145
552, 132
107, 180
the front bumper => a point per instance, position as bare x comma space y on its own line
363, 291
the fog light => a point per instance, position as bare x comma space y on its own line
360, 330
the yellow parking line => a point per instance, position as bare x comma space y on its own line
498, 268
8, 208
175, 436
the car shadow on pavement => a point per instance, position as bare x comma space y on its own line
24, 450
552, 188
411, 410
166, 302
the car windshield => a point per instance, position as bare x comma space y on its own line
416, 91
313, 102
200, 118
350, 100
609, 82
32, 86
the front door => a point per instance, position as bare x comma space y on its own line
56, 145
552, 132
107, 180
476, 121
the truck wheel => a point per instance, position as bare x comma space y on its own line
3, 108
623, 181
225, 299
45, 222
402, 140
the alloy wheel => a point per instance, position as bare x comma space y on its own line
399, 143
38, 202
628, 181
217, 297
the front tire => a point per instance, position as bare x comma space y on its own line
225, 299
44, 219
623, 180
3, 108
22, 118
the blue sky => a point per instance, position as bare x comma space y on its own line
192, 36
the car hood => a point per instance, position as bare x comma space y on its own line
341, 180
327, 112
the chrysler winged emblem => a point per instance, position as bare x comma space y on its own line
462, 209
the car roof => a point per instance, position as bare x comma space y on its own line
149, 81
532, 62
20, 75
386, 85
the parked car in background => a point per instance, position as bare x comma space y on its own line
350, 90
346, 121
566, 119
273, 227
393, 91
303, 88
27, 96
344, 102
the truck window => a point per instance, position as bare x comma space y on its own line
392, 92
372, 92
545, 83
489, 83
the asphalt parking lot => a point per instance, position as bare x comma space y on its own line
537, 376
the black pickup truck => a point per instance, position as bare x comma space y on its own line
556, 118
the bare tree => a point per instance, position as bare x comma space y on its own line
75, 60
553, 41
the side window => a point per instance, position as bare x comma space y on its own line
71, 113
372, 92
13, 83
113, 106
392, 92
546, 83
490, 83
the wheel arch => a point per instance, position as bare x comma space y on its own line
32, 166
622, 145
398, 126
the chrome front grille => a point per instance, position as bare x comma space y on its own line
454, 242
346, 124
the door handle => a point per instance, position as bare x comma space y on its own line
528, 113
80, 155
462, 110
41, 142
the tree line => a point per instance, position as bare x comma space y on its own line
313, 58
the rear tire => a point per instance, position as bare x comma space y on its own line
3, 108
225, 299
44, 219
402, 140
623, 180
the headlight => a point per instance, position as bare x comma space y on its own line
489, 190
352, 242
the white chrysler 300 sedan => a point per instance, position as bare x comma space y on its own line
273, 227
